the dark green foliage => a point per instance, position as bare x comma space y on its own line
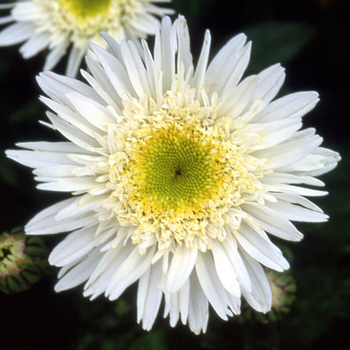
276, 42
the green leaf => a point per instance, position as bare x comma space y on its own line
277, 42
154, 340
7, 173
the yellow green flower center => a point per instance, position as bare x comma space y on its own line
176, 169
83, 9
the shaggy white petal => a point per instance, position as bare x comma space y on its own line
149, 296
129, 271
198, 313
225, 269
75, 246
180, 267
261, 250
211, 285
296, 212
266, 218
15, 34
261, 296
290, 106
232, 58
78, 273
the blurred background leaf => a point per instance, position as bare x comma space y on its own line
7, 172
276, 42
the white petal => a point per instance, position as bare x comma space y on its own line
95, 113
74, 60
149, 296
57, 86
114, 256
129, 271
34, 45
68, 184
78, 273
260, 249
296, 212
105, 91
114, 70
16, 33
274, 133
319, 162
38, 159
291, 106
171, 307
135, 68
236, 101
55, 171
224, 268
164, 52
281, 178
270, 82
6, 20
211, 284
198, 313
80, 206
272, 222
49, 211
235, 63
44, 222
74, 134
184, 55
231, 247
296, 148
55, 55
296, 199
261, 296
64, 147
199, 75
181, 267
294, 190
184, 300
153, 75
75, 246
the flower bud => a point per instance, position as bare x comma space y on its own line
283, 289
23, 261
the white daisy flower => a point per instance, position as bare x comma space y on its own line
177, 175
61, 25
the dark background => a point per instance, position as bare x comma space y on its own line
310, 38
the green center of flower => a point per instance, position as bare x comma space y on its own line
176, 169
86, 8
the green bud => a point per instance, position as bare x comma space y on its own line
283, 289
23, 261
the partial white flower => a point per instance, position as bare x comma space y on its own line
61, 25
177, 175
